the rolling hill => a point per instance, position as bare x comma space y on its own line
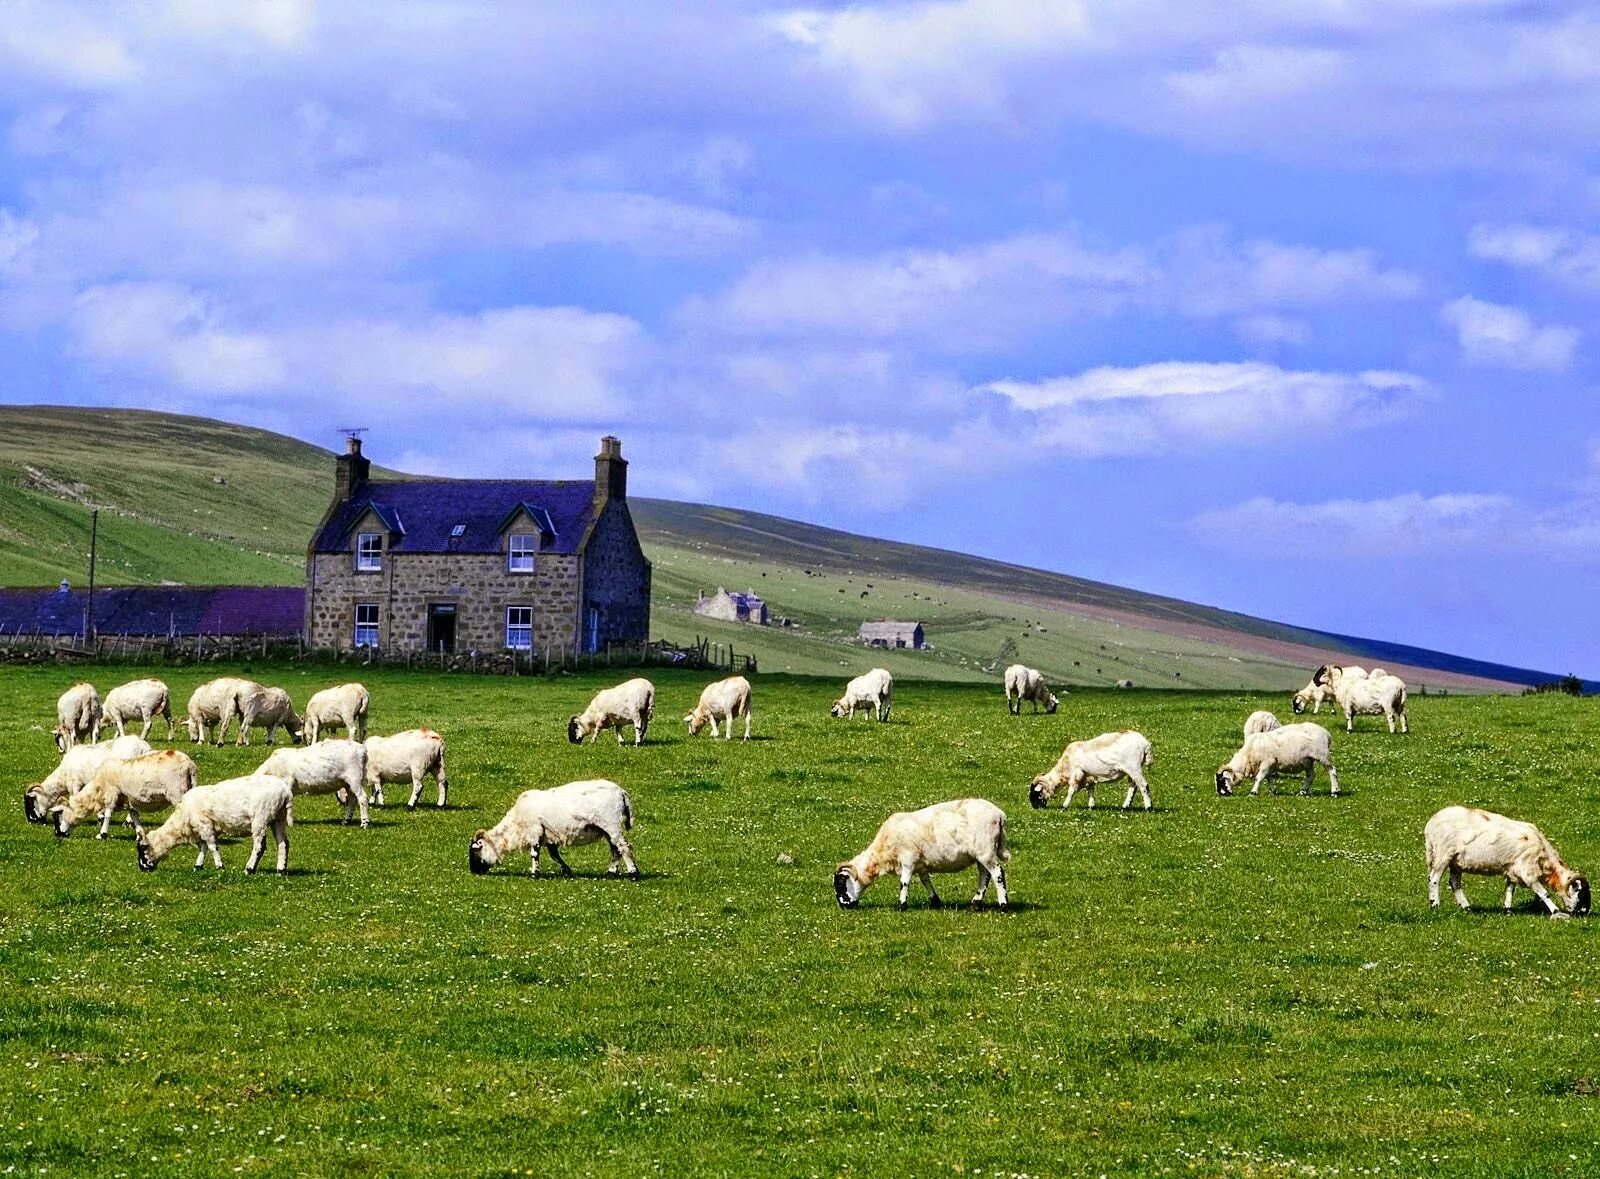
196, 501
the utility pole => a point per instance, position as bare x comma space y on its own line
94, 537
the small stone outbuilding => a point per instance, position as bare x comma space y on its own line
888, 633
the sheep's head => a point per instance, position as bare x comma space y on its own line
696, 721
1302, 701
1050, 703
193, 726
840, 707
1225, 781
30, 805
482, 853
1577, 896
141, 849
575, 731
62, 823
847, 887
61, 736
1041, 791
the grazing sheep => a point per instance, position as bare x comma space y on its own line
144, 783
256, 804
269, 709
872, 692
215, 702
727, 698
1466, 839
324, 768
1368, 693
565, 816
344, 707
1023, 683
406, 757
945, 837
138, 700
77, 767
1311, 696
77, 716
632, 703
1099, 759
1261, 722
1124, 684
1286, 750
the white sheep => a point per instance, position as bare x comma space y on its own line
324, 768
1261, 721
632, 703
73, 773
1311, 696
945, 837
872, 692
1285, 750
1125, 684
406, 757
1023, 683
728, 699
145, 783
77, 716
269, 709
1367, 694
257, 803
138, 700
1099, 759
343, 707
215, 702
565, 816
1465, 839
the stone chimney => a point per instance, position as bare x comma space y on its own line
610, 471
350, 471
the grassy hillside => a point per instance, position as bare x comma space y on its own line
197, 501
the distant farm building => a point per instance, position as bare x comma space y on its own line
887, 633
155, 611
733, 607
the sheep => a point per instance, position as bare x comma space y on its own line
269, 709
1261, 722
945, 837
215, 702
77, 716
343, 707
1466, 839
1311, 696
324, 768
77, 767
1369, 694
1124, 685
872, 692
257, 803
1281, 751
564, 816
138, 700
145, 783
1023, 683
406, 757
1099, 759
632, 703
727, 698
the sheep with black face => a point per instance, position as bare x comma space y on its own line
1024, 683
945, 837
631, 703
1466, 839
1285, 750
565, 816
1105, 758
77, 767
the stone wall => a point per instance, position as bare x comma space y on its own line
617, 578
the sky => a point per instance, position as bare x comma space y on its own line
1282, 306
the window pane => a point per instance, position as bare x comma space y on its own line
519, 552
369, 551
519, 628
366, 624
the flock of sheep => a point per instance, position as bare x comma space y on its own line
97, 778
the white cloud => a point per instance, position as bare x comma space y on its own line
1267, 330
1492, 334
1398, 526
1562, 254
1185, 406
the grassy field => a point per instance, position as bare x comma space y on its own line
1221, 987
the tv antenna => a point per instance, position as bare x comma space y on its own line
353, 433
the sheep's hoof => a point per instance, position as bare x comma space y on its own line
902, 906
365, 823
565, 871
100, 835
935, 903
249, 871
634, 875
411, 806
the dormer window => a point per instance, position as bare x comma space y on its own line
520, 549
369, 552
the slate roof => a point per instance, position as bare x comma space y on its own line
157, 610
431, 508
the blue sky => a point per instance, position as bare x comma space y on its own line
1279, 306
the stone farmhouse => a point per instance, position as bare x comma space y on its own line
887, 633
732, 607
477, 564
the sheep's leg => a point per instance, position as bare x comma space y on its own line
620, 848
639, 730
1072, 788
442, 782
1088, 788
133, 821
105, 821
555, 854
905, 886
216, 855
416, 787
280, 832
1455, 887
746, 724
1349, 720
533, 869
1404, 726
927, 883
1538, 891
258, 845
999, 874
1433, 886
1333, 780
1311, 773
1144, 791
1127, 799
983, 885
377, 791
200, 860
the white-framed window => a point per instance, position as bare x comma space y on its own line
369, 552
520, 550
519, 628
366, 624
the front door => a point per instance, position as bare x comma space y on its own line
442, 628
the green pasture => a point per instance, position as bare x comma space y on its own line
1239, 987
